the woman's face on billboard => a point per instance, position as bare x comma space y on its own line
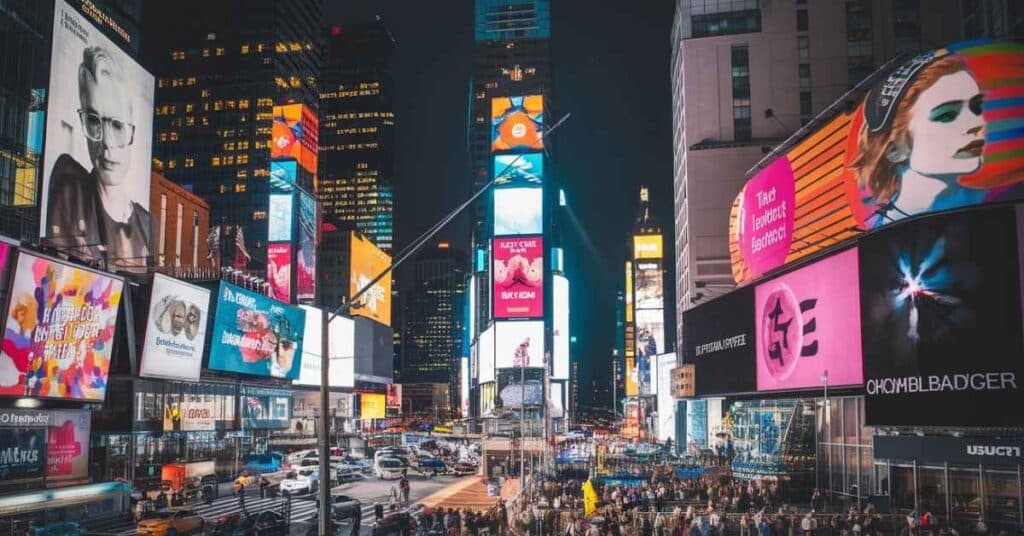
946, 127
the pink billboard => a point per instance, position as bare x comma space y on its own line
279, 271
519, 277
765, 226
807, 324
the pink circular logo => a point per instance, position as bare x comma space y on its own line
781, 332
765, 230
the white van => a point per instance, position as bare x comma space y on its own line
388, 468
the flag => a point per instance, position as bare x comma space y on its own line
589, 498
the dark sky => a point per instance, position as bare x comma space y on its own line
611, 72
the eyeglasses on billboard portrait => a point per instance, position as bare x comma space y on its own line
119, 133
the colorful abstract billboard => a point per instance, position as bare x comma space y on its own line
525, 169
939, 132
650, 332
305, 271
59, 331
253, 334
372, 406
648, 247
279, 218
294, 135
518, 211
369, 261
175, 330
517, 123
518, 344
807, 325
519, 277
279, 271
650, 285
99, 133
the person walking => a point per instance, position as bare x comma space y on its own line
403, 484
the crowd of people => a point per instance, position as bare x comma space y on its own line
453, 522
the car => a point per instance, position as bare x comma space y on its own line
431, 464
184, 521
348, 473
305, 480
343, 507
265, 523
388, 468
464, 468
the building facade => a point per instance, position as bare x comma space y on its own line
182, 220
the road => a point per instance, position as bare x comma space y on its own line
303, 507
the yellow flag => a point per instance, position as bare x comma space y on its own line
589, 498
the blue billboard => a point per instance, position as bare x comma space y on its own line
519, 169
254, 334
283, 175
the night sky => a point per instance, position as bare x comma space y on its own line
612, 71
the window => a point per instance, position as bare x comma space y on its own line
907, 25
801, 20
803, 47
163, 228
965, 493
805, 105
728, 23
859, 53
740, 59
804, 71
1002, 492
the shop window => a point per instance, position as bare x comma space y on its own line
881, 478
850, 424
1002, 497
965, 493
931, 490
903, 487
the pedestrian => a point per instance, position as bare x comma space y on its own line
356, 521
404, 486
378, 512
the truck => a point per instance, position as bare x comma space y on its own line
190, 481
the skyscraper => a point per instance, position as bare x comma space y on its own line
357, 124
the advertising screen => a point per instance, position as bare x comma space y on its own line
189, 412
648, 247
67, 445
175, 330
519, 277
525, 169
341, 348
394, 396
254, 334
305, 273
556, 401
514, 392
59, 331
560, 328
22, 454
807, 322
643, 374
666, 427
279, 271
629, 299
265, 408
517, 123
99, 132
283, 174
942, 315
629, 377
279, 218
368, 261
650, 332
650, 285
374, 350
718, 340
518, 211
372, 406
294, 135
486, 355
464, 383
518, 344
860, 171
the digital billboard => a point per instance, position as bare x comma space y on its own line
394, 396
279, 217
650, 332
515, 392
485, 355
518, 277
517, 123
374, 351
650, 285
648, 247
525, 169
518, 344
283, 175
279, 271
294, 135
175, 330
99, 132
630, 387
644, 366
560, 327
518, 211
67, 445
369, 261
807, 322
22, 454
666, 427
305, 273
189, 412
718, 340
341, 350
942, 321
59, 331
254, 334
939, 132
372, 406
556, 402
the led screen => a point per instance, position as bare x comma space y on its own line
305, 272
629, 376
283, 174
394, 396
648, 247
518, 277
280, 218
718, 340
464, 386
644, 370
518, 211
560, 327
67, 445
519, 387
341, 348
294, 135
22, 454
519, 344
486, 355
254, 334
99, 131
279, 271
650, 332
526, 169
59, 331
666, 426
860, 171
807, 322
556, 400
650, 285
175, 330
368, 261
517, 123
372, 406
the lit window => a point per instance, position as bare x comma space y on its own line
206, 53
215, 161
220, 51
245, 49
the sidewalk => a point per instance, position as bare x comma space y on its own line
470, 492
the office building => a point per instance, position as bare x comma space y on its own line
357, 130
182, 234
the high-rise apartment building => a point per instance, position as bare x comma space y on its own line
219, 74
747, 74
357, 130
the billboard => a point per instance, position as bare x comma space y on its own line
514, 392
341, 350
67, 445
525, 169
718, 340
807, 322
279, 218
644, 366
941, 319
175, 330
99, 132
485, 355
394, 396
294, 135
650, 332
305, 272
518, 211
860, 171
517, 123
648, 247
630, 387
253, 334
22, 454
518, 344
518, 277
283, 175
560, 327
189, 412
279, 271
59, 331
372, 406
369, 261
666, 404
650, 285
374, 351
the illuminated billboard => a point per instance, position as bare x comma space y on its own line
279, 271
59, 330
517, 123
394, 396
283, 174
175, 330
367, 262
99, 132
860, 171
518, 277
372, 406
485, 353
560, 327
518, 211
650, 285
341, 350
650, 332
279, 218
305, 271
519, 344
629, 377
253, 334
648, 247
521, 386
525, 169
294, 135
67, 445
